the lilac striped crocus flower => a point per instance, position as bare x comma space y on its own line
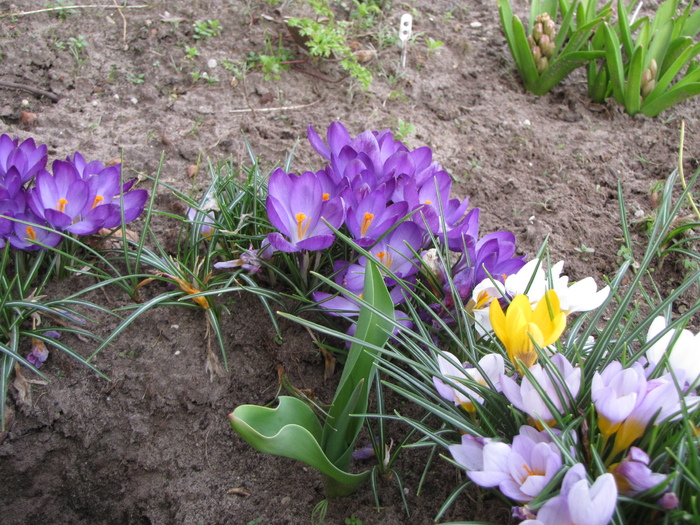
520, 471
579, 502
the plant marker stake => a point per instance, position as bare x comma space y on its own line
404, 35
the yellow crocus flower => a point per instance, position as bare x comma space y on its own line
520, 328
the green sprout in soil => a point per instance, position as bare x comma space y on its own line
206, 29
191, 52
76, 46
326, 37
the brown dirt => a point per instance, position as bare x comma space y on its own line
153, 446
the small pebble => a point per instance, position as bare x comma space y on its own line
212, 63
134, 100
475, 25
116, 97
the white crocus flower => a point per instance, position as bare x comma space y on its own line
517, 283
482, 295
582, 296
683, 355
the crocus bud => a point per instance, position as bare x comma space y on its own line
648, 88
646, 77
669, 501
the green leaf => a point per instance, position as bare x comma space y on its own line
664, 14
373, 326
675, 49
623, 25
673, 96
598, 82
523, 55
659, 44
692, 25
291, 430
665, 80
634, 82
613, 58
561, 67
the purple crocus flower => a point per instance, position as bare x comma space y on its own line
578, 502
38, 354
88, 169
205, 220
297, 207
521, 470
26, 157
395, 252
491, 257
10, 183
526, 398
10, 208
61, 197
372, 217
250, 260
633, 474
25, 236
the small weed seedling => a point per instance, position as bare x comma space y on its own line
191, 52
62, 8
433, 45
135, 79
404, 129
205, 29
75, 46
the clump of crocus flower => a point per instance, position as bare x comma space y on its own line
75, 197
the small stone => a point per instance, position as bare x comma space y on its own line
134, 100
475, 25
211, 64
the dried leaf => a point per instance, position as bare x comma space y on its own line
365, 55
24, 391
28, 118
192, 170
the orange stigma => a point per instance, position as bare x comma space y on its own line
325, 196
31, 233
98, 199
301, 229
61, 206
385, 258
366, 223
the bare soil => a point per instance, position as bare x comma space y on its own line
153, 445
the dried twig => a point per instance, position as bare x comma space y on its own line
281, 108
121, 13
30, 89
66, 8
